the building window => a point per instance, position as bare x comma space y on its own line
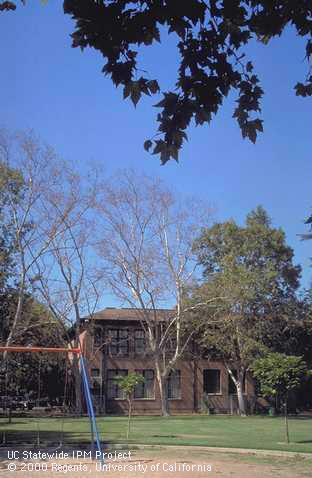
146, 388
232, 387
113, 389
95, 372
212, 382
119, 342
174, 385
172, 344
97, 340
139, 342
96, 388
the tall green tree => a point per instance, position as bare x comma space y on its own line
251, 270
10, 183
10, 180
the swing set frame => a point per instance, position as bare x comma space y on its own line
95, 437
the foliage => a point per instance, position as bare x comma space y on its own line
309, 234
11, 181
250, 269
211, 40
128, 382
212, 37
256, 254
6, 6
278, 374
37, 327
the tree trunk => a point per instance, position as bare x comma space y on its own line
162, 391
241, 399
129, 416
16, 320
239, 384
10, 337
195, 386
286, 420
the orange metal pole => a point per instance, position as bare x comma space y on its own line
41, 349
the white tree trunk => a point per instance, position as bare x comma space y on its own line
241, 399
239, 384
162, 390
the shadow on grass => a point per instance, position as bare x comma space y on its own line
55, 450
40, 439
294, 417
5, 423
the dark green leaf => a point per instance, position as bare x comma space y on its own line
147, 145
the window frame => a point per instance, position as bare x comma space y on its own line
220, 381
97, 334
97, 375
136, 339
178, 373
111, 379
120, 342
142, 372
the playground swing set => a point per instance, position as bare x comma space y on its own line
95, 437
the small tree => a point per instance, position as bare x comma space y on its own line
127, 384
278, 374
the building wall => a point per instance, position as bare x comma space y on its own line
192, 397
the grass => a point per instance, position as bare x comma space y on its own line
217, 431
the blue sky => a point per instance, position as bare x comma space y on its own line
61, 93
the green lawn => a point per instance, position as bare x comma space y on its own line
220, 431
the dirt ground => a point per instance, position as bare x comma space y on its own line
162, 464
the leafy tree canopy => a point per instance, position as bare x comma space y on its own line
257, 251
128, 382
211, 36
279, 374
211, 40
249, 270
11, 181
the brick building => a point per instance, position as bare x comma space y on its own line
114, 344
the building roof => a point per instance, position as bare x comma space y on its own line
112, 313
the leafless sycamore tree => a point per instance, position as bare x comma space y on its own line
48, 209
28, 171
146, 236
65, 278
